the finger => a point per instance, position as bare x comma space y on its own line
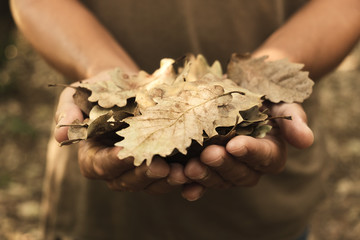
296, 131
140, 177
177, 175
66, 113
266, 155
97, 161
159, 187
193, 191
233, 171
200, 173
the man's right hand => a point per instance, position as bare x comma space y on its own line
98, 161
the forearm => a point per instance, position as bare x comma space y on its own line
320, 35
69, 37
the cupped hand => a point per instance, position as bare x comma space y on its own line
245, 159
98, 161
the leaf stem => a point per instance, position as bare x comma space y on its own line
61, 85
280, 117
73, 125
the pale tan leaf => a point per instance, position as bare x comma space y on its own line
242, 99
77, 130
119, 87
114, 91
277, 80
171, 124
165, 75
97, 111
200, 67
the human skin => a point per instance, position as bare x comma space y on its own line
80, 47
309, 38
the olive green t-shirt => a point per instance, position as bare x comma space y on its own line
277, 208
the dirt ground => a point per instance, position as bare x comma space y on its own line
27, 105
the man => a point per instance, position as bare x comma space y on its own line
135, 35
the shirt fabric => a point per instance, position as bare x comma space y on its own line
277, 208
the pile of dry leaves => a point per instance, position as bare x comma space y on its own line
180, 108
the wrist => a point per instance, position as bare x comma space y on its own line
98, 68
274, 54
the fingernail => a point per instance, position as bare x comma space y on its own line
151, 174
197, 197
193, 199
171, 182
197, 173
301, 123
202, 175
236, 149
216, 163
174, 183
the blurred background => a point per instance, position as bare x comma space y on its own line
26, 115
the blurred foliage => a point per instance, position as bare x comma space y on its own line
6, 26
7, 88
5, 179
16, 126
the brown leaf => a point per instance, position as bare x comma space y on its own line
175, 114
116, 90
81, 96
101, 122
171, 124
199, 67
277, 80
109, 122
130, 110
77, 131
242, 101
177, 119
252, 115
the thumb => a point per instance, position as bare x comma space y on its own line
66, 113
296, 131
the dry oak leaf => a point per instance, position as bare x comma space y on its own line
110, 122
199, 67
116, 90
77, 131
118, 86
228, 111
239, 102
278, 80
101, 121
129, 109
80, 97
167, 83
171, 124
253, 115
